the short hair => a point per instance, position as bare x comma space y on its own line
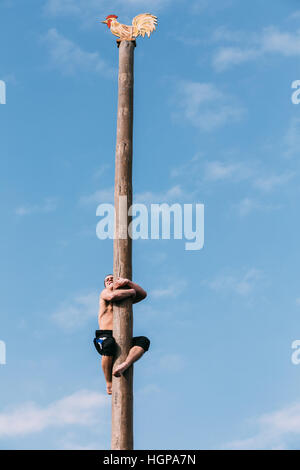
106, 277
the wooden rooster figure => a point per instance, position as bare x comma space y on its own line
142, 24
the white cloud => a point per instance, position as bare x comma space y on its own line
200, 172
64, 7
248, 205
98, 197
70, 58
242, 285
173, 194
198, 6
206, 171
89, 11
156, 4
7, 3
275, 430
295, 15
205, 106
189, 169
229, 56
150, 390
80, 408
223, 34
49, 205
74, 313
285, 43
269, 41
173, 290
70, 445
216, 171
269, 183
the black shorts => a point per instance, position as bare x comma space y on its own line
105, 343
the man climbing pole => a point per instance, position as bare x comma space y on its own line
104, 341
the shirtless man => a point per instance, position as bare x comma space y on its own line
104, 341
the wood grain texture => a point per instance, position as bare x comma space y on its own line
122, 388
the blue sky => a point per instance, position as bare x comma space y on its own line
214, 124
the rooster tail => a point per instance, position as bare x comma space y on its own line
144, 23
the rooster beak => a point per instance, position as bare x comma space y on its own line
105, 22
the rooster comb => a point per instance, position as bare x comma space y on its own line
111, 16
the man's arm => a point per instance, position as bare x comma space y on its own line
117, 295
141, 294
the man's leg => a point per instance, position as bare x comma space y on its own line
134, 355
107, 362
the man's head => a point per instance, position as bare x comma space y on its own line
108, 280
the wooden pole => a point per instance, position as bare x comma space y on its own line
122, 388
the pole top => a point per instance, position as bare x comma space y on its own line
122, 40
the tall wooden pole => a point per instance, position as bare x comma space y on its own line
122, 388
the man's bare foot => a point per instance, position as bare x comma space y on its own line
109, 388
120, 369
